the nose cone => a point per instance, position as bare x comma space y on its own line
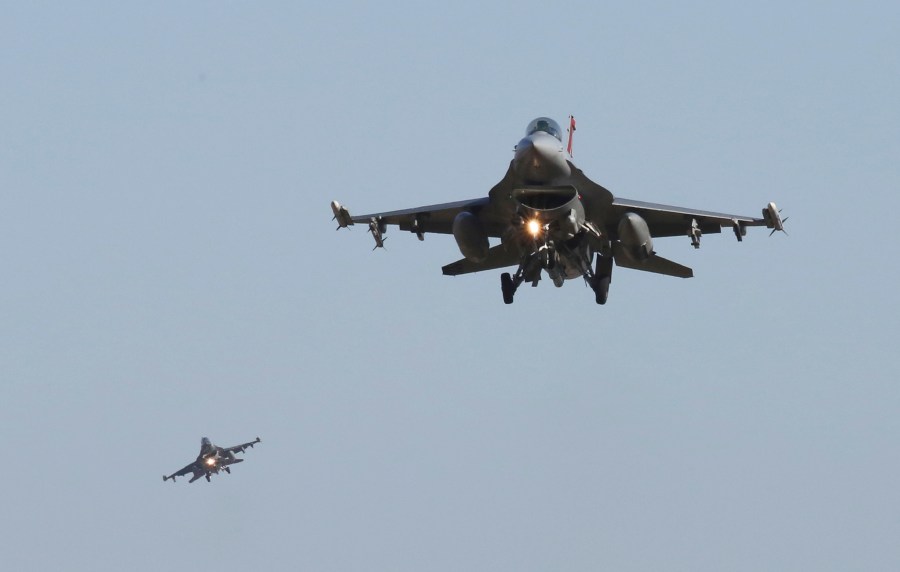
540, 159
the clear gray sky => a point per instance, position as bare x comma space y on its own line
169, 271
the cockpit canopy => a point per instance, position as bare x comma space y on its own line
546, 125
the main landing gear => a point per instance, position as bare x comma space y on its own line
508, 286
529, 271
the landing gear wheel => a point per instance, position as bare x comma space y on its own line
506, 285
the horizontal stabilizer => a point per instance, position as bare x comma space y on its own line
498, 257
653, 263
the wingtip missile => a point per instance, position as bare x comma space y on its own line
341, 215
772, 216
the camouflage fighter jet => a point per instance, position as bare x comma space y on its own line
212, 459
549, 217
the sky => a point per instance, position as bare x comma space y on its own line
170, 271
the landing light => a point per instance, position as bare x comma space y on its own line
211, 461
534, 227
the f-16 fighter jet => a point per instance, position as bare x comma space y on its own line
212, 459
549, 217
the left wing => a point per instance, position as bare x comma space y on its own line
419, 220
239, 448
666, 220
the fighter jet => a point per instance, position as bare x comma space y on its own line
211, 459
550, 218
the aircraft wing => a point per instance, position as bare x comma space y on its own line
192, 468
239, 448
666, 220
430, 218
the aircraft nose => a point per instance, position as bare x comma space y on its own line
539, 158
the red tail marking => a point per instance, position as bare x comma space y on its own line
571, 132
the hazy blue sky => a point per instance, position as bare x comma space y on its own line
170, 270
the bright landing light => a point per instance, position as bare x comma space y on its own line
211, 461
534, 227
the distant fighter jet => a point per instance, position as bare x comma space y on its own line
211, 460
550, 217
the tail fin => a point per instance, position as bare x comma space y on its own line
571, 132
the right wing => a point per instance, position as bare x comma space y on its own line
192, 468
493, 211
